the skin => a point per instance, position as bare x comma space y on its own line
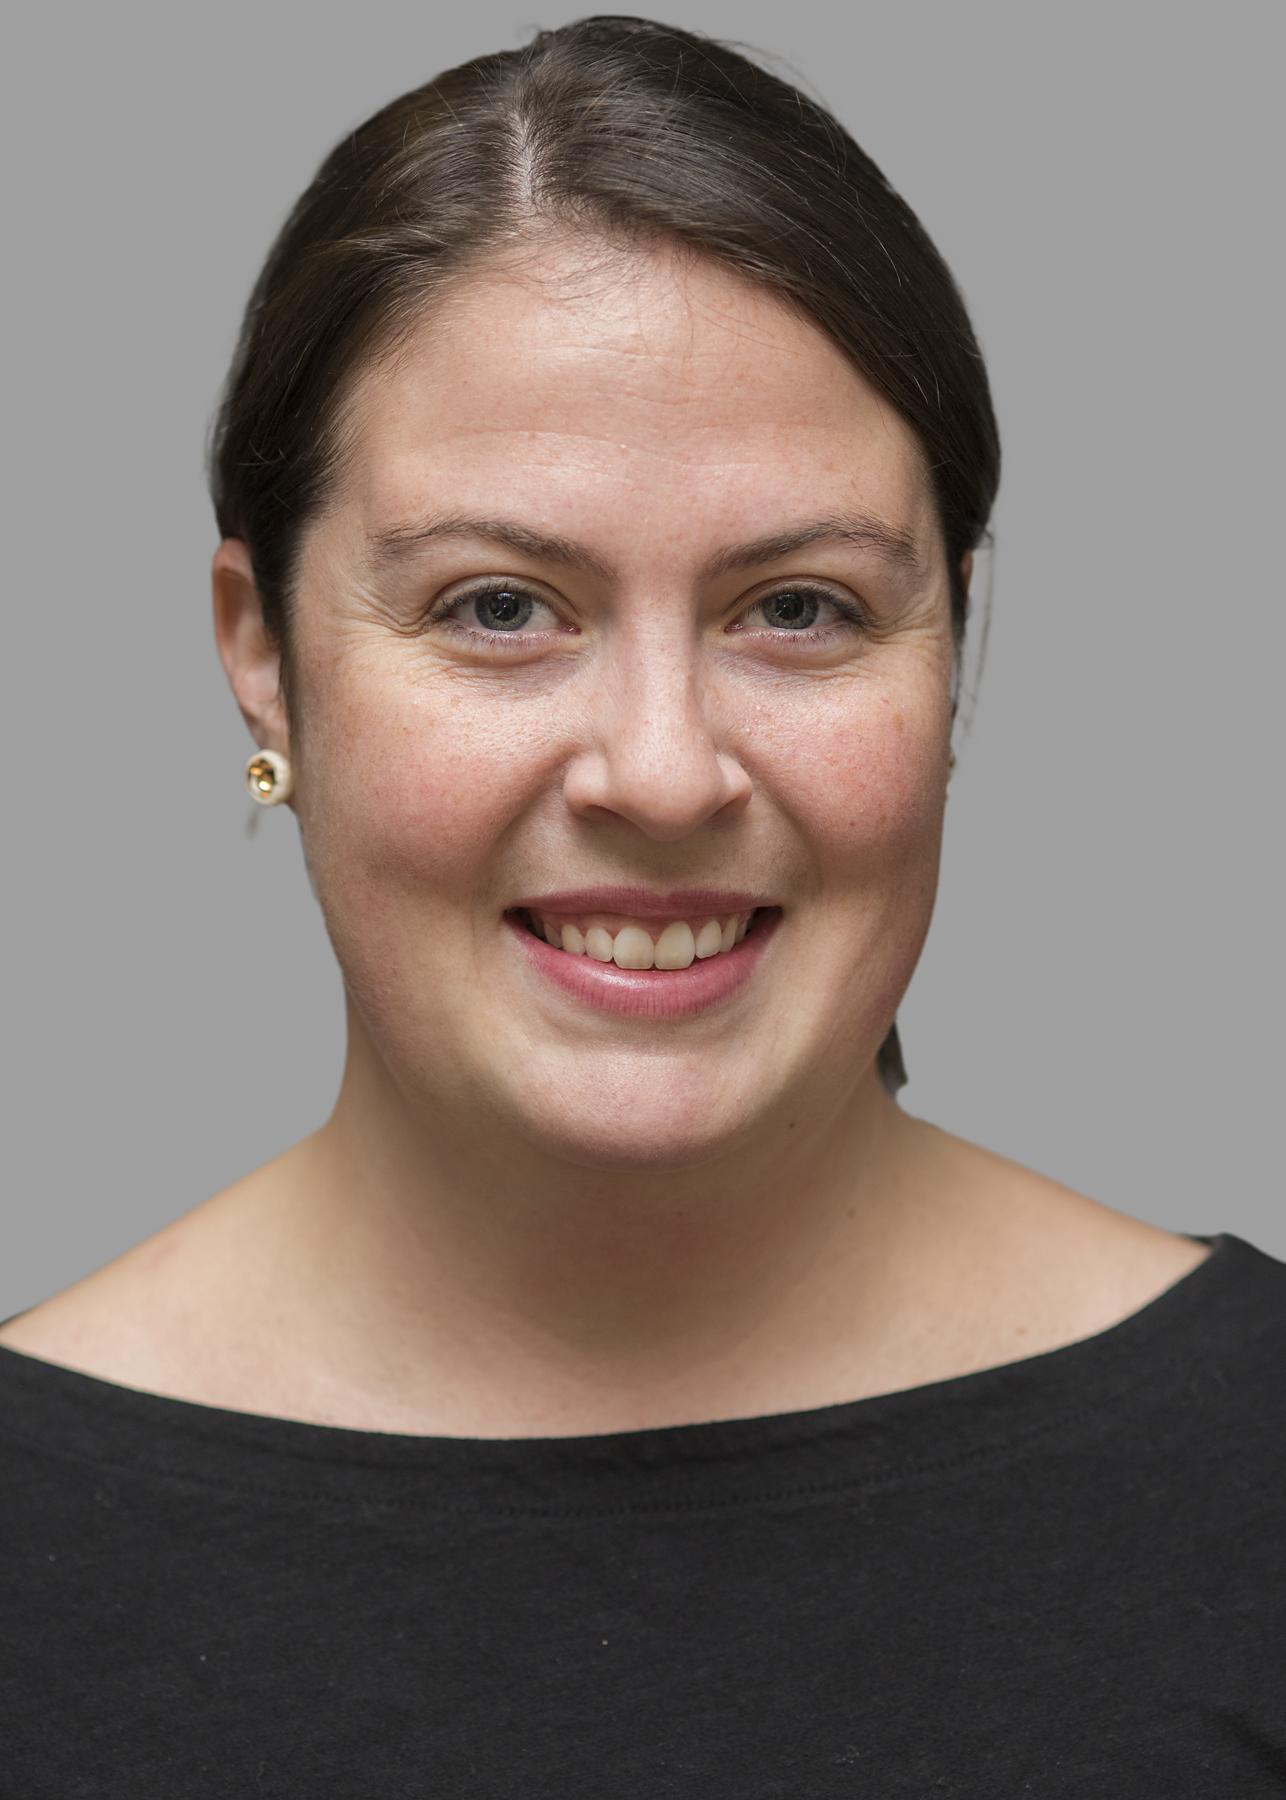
523, 1217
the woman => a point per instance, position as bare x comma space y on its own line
620, 1391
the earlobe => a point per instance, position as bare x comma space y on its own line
251, 662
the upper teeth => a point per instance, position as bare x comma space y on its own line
643, 945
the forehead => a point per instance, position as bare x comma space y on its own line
644, 379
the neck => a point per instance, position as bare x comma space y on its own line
497, 1290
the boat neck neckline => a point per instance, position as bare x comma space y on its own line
70, 1411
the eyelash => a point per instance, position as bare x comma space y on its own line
853, 619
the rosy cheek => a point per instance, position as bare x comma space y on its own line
419, 794
862, 781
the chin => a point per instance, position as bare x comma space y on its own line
655, 1139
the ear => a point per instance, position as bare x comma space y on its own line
250, 661
966, 568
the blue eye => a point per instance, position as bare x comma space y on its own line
800, 605
502, 608
507, 606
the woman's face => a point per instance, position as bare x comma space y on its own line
632, 713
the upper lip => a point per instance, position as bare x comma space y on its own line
679, 903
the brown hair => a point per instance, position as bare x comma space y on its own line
633, 132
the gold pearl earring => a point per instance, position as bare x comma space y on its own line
269, 778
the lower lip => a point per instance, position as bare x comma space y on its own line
651, 993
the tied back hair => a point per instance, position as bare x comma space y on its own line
617, 129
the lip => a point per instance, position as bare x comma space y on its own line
648, 993
680, 903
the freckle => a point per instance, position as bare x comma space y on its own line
899, 723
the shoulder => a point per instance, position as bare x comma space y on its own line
167, 1314
1046, 1263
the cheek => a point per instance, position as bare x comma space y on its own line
402, 807
407, 794
866, 784
866, 788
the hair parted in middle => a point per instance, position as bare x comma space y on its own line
628, 133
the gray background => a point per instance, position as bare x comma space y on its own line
1100, 996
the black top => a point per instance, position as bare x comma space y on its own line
1065, 1576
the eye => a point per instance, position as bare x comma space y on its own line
796, 609
501, 609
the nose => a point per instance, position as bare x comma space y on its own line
650, 750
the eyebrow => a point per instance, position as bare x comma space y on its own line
890, 544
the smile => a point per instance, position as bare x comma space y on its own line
633, 978
639, 943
